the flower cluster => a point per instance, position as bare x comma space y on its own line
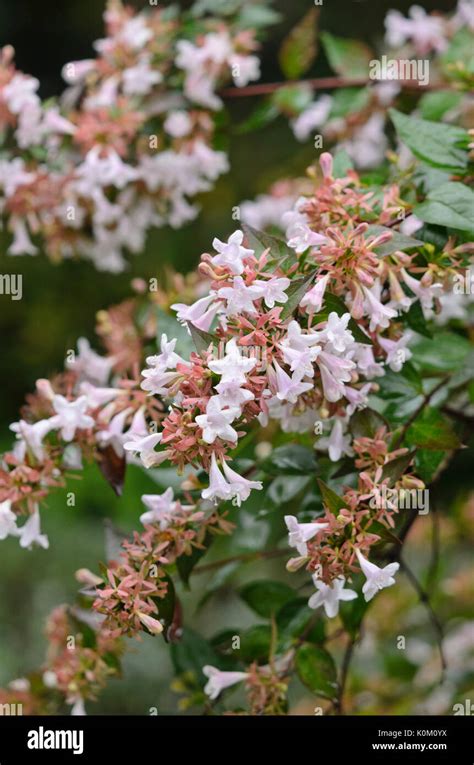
360, 129
131, 142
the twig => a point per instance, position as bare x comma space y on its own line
346, 662
426, 400
435, 551
425, 600
322, 83
243, 558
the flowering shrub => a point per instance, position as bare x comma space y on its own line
295, 380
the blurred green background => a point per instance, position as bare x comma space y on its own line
59, 304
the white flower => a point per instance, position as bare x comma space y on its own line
338, 337
30, 533
298, 233
424, 30
377, 578
161, 506
313, 299
240, 487
78, 709
313, 117
178, 123
239, 297
21, 244
329, 595
234, 366
143, 445
231, 253
98, 396
396, 350
157, 381
135, 33
218, 487
380, 314
300, 533
219, 680
273, 290
8, 521
244, 69
167, 359
335, 371
426, 293
232, 395
289, 388
20, 93
89, 364
299, 349
337, 444
200, 313
32, 435
216, 422
140, 79
70, 416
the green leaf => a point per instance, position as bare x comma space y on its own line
432, 431
266, 597
397, 242
365, 423
296, 291
292, 99
450, 205
347, 101
427, 463
168, 325
352, 613
296, 618
265, 113
166, 607
286, 487
432, 142
333, 501
434, 105
446, 352
186, 563
257, 16
349, 58
291, 459
202, 340
415, 319
255, 644
317, 670
458, 59
394, 469
191, 654
299, 48
260, 241
341, 164
335, 303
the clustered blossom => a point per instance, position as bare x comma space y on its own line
361, 133
131, 143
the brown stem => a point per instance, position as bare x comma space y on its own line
322, 83
243, 558
425, 600
346, 663
426, 400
